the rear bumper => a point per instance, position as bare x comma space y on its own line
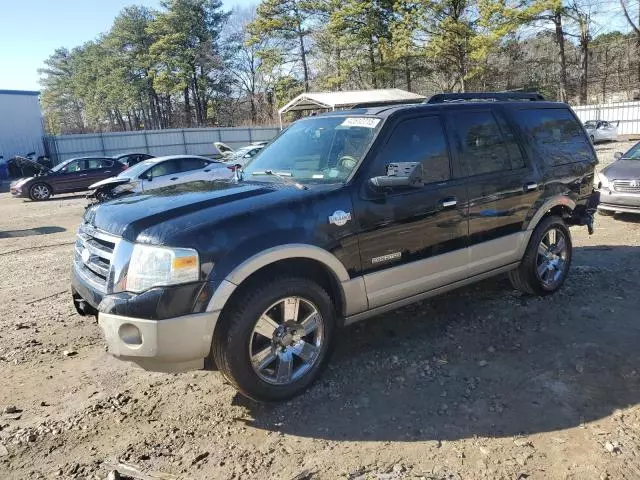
170, 345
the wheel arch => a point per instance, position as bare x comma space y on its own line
308, 261
560, 205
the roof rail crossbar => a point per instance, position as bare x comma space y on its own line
485, 96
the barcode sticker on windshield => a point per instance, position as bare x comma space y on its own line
360, 122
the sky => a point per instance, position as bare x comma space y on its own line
30, 30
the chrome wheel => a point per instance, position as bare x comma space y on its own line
552, 258
40, 192
286, 340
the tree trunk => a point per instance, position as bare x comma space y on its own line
187, 107
407, 73
557, 20
303, 57
372, 61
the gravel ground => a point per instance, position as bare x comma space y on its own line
479, 383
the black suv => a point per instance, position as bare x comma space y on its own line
342, 217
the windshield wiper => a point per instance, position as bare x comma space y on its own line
285, 179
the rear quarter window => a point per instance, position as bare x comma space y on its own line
556, 135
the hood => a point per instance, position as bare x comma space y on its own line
131, 215
111, 181
623, 170
24, 162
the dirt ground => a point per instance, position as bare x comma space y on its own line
479, 383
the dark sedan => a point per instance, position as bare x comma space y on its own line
619, 183
74, 175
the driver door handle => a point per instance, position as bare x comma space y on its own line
174, 178
82, 175
528, 187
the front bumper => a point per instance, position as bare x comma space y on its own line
170, 345
619, 202
18, 192
165, 329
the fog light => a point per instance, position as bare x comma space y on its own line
130, 334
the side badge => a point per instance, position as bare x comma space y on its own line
340, 218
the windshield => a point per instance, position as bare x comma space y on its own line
633, 153
137, 170
316, 150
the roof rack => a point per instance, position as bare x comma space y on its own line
485, 96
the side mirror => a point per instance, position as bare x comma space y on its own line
401, 174
147, 176
617, 155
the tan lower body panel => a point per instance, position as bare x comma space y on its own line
173, 344
414, 278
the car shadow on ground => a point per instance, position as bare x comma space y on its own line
29, 232
481, 361
627, 217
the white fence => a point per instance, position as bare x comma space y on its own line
627, 114
192, 141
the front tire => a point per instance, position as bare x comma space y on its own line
547, 259
275, 339
39, 192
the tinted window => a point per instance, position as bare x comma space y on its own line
187, 164
557, 135
515, 154
74, 166
98, 163
418, 140
484, 148
165, 168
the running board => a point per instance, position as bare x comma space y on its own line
431, 293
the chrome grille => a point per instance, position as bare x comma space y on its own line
626, 186
93, 254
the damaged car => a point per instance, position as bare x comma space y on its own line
160, 172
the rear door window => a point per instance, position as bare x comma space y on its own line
484, 147
557, 135
187, 164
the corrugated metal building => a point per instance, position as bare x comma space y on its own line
21, 129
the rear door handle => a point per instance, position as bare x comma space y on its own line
108, 171
207, 171
83, 175
174, 178
530, 186
448, 202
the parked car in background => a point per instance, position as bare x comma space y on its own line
131, 158
160, 172
74, 175
619, 183
601, 131
242, 156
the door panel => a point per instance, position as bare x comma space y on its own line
68, 178
502, 186
404, 233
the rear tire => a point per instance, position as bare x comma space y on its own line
39, 192
265, 344
606, 213
547, 259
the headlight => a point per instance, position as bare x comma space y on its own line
156, 266
603, 182
124, 188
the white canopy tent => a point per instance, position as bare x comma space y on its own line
349, 99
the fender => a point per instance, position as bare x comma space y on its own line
558, 200
353, 290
